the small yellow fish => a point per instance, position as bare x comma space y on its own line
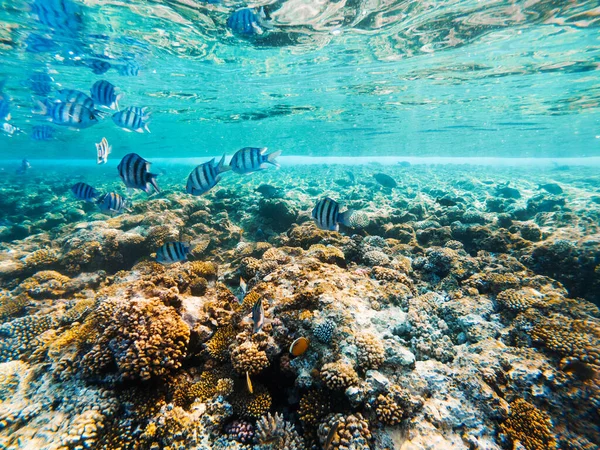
249, 383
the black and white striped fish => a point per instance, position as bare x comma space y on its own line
134, 171
104, 93
130, 120
68, 114
140, 111
327, 215
64, 16
83, 191
251, 159
75, 96
172, 252
205, 177
42, 133
112, 203
103, 150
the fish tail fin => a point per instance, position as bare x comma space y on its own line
272, 157
39, 107
146, 127
152, 181
119, 97
344, 218
221, 167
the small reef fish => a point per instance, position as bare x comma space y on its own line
64, 16
83, 191
249, 383
205, 177
24, 167
299, 346
258, 316
129, 120
552, 188
243, 288
249, 21
41, 83
172, 252
505, 191
140, 111
98, 66
102, 151
72, 115
328, 217
104, 93
42, 133
112, 203
385, 180
403, 163
134, 171
251, 159
75, 96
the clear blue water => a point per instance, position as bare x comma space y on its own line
453, 78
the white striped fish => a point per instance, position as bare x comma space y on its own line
206, 176
104, 93
134, 171
112, 203
75, 96
68, 114
172, 252
83, 191
103, 150
130, 120
327, 215
251, 159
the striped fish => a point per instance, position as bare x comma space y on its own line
61, 15
112, 203
258, 315
134, 171
130, 120
103, 93
129, 69
83, 191
327, 215
98, 66
42, 133
103, 150
205, 177
251, 159
75, 96
172, 252
41, 83
68, 114
140, 111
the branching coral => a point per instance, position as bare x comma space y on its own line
314, 405
371, 353
248, 358
218, 345
253, 405
347, 432
339, 375
394, 406
528, 426
324, 330
273, 432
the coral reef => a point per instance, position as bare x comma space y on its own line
272, 431
528, 426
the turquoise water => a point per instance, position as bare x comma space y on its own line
413, 264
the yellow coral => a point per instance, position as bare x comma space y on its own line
217, 345
328, 254
528, 426
253, 405
11, 305
248, 358
314, 405
371, 353
518, 300
339, 375
203, 269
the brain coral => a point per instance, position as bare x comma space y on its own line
339, 375
528, 426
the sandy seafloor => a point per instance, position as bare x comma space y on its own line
455, 318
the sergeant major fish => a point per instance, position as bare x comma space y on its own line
205, 176
104, 93
102, 151
172, 252
75, 96
68, 114
327, 216
251, 159
130, 120
112, 203
134, 171
83, 191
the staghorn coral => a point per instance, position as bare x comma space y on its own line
273, 432
314, 405
218, 345
339, 375
351, 432
248, 358
528, 426
577, 341
371, 353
